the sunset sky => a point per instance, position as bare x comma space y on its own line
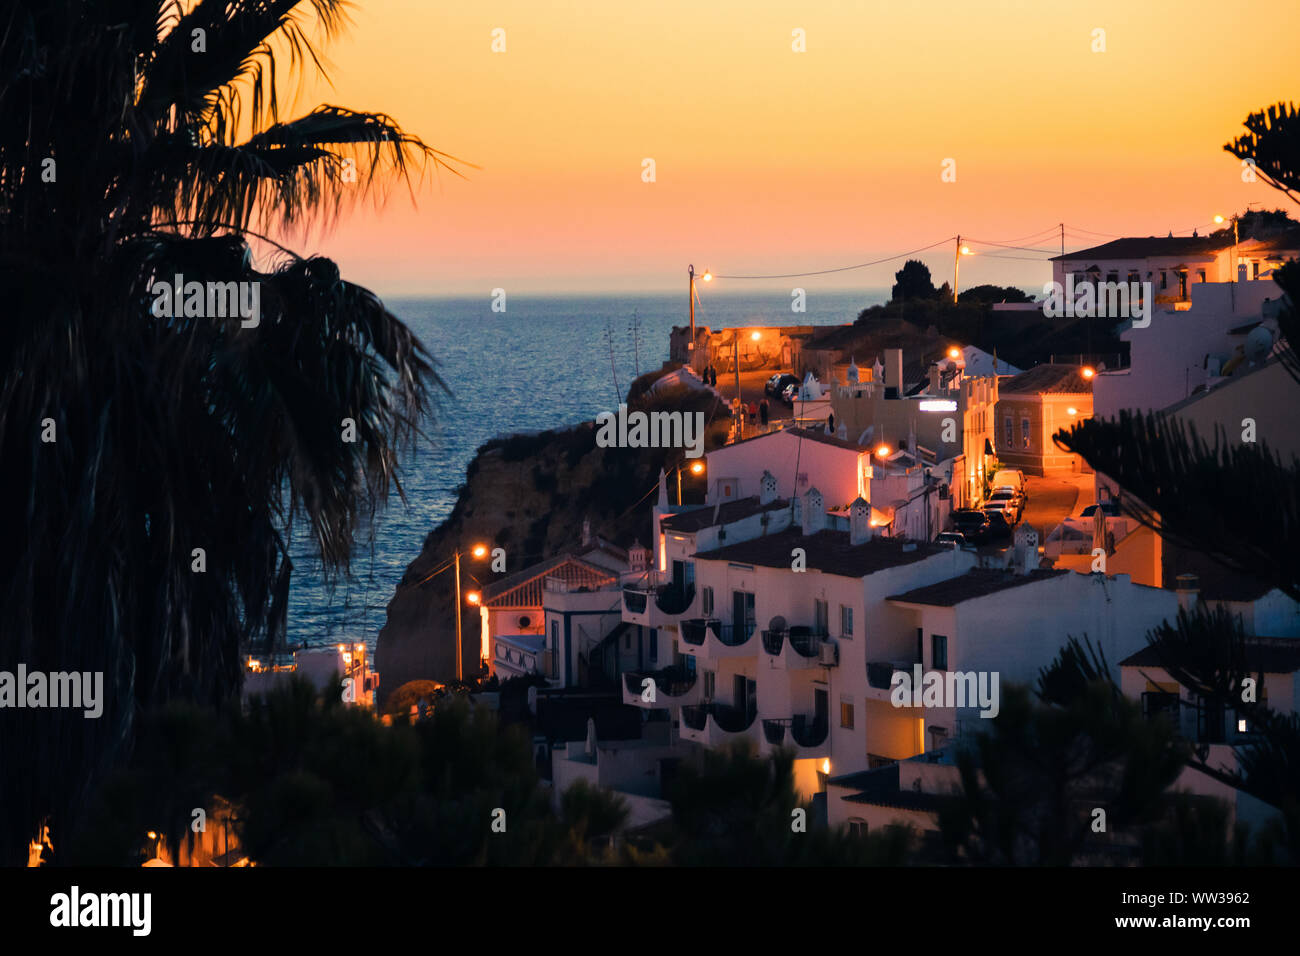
772, 161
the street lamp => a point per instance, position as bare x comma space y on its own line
697, 468
956, 266
1088, 371
479, 551
707, 277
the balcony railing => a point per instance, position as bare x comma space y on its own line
695, 629
809, 731
804, 731
674, 599
672, 681
635, 600
807, 641
731, 720
772, 641
880, 674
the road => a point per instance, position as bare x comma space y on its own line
1051, 500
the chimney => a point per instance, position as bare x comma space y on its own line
813, 517
894, 370
1188, 588
859, 521
1026, 549
767, 488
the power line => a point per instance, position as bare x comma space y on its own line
860, 265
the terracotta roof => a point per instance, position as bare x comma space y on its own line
976, 583
1268, 655
1188, 246
812, 434
524, 588
827, 551
1048, 379
689, 522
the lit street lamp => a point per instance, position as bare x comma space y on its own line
707, 277
480, 552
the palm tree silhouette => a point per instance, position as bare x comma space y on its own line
140, 140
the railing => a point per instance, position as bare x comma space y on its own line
635, 600
809, 731
694, 629
695, 716
731, 720
772, 641
807, 641
673, 681
774, 730
674, 599
880, 674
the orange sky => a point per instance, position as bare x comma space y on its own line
771, 161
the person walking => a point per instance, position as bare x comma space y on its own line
763, 411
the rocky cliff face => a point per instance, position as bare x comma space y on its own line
528, 494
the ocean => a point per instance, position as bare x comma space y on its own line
546, 362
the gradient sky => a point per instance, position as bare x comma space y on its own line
771, 161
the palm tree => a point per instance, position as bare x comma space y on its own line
140, 140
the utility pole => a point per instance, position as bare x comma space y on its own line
735, 356
690, 272
459, 655
956, 267
1062, 238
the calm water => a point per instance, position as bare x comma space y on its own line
544, 363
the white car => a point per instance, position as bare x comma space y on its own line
1011, 478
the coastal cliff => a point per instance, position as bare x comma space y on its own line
530, 495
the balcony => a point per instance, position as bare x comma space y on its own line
653, 599
804, 734
711, 640
801, 648
673, 687
880, 677
714, 724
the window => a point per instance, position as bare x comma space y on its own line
555, 649
742, 611
1006, 421
654, 645
1024, 432
1164, 279
857, 827
939, 652
1200, 275
1182, 283
1254, 268
821, 616
846, 715
707, 600
710, 683
846, 621
920, 646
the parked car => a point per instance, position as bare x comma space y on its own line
776, 385
1013, 478
954, 538
789, 392
1009, 502
971, 524
1000, 524
1007, 491
1007, 508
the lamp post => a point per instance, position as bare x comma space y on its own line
707, 277
479, 551
697, 468
956, 266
